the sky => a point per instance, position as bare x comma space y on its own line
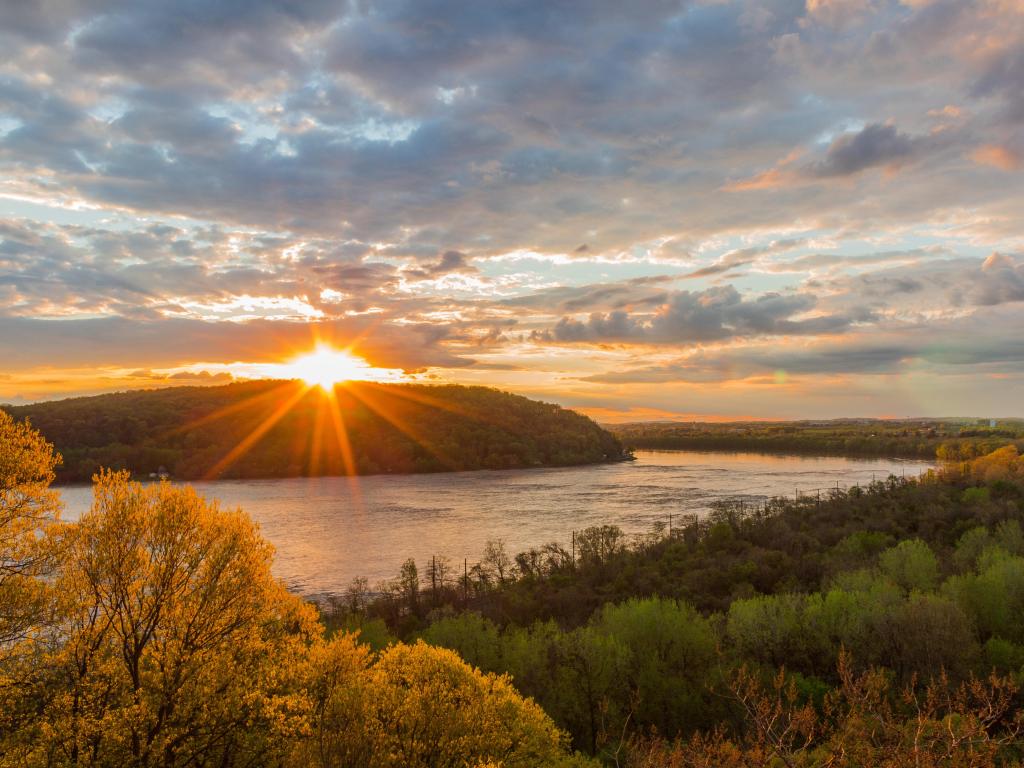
643, 210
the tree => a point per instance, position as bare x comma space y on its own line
409, 585
496, 560
476, 639
178, 647
865, 721
423, 707
671, 662
911, 564
28, 509
28, 513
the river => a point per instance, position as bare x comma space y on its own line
327, 531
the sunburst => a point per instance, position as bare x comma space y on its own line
327, 367
341, 379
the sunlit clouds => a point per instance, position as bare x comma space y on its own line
656, 210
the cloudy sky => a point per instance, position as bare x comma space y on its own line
773, 208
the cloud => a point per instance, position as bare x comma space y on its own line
873, 146
1004, 77
451, 261
744, 256
186, 178
980, 345
876, 145
1001, 280
640, 291
712, 315
998, 156
932, 288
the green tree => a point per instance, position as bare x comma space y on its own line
911, 564
671, 663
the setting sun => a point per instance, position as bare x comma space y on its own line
325, 367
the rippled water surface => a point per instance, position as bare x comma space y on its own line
328, 531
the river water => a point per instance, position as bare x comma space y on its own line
329, 530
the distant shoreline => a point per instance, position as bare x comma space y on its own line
171, 478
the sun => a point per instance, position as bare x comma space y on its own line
325, 367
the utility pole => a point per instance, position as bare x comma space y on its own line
574, 549
670, 525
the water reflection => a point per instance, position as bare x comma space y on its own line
324, 538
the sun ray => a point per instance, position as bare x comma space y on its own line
253, 437
316, 440
227, 410
344, 445
405, 393
366, 399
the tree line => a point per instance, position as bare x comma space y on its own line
952, 439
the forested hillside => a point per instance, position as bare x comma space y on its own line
284, 429
954, 439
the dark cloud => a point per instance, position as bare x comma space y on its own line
451, 261
711, 315
979, 345
873, 146
1001, 280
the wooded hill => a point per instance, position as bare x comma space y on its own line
285, 429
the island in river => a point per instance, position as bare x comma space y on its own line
267, 429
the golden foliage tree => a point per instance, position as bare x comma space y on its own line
28, 513
28, 508
419, 706
160, 638
177, 645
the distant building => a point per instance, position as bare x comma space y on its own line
991, 422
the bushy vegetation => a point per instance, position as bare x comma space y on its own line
912, 588
949, 439
283, 429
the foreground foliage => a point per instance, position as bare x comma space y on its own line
864, 721
157, 636
924, 580
874, 627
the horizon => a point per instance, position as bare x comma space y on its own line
691, 211
679, 419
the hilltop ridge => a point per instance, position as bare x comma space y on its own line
284, 429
